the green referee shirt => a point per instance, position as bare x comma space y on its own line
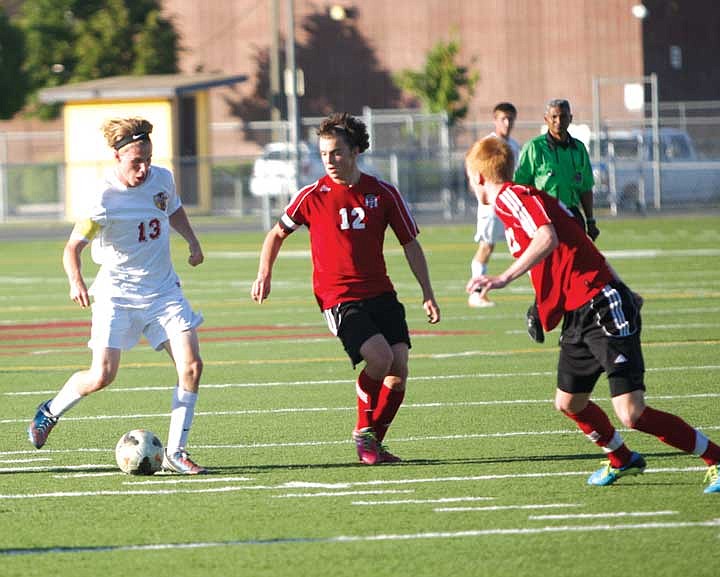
561, 169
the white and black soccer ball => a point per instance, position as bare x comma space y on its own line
139, 452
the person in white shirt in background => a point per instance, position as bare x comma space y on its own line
136, 291
489, 228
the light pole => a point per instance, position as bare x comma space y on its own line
291, 91
275, 115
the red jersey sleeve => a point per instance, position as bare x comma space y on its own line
400, 219
573, 272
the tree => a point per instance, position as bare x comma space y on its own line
442, 85
77, 40
12, 78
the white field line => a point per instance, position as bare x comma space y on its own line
173, 480
349, 380
345, 487
601, 515
505, 507
114, 473
472, 533
342, 493
624, 254
135, 492
52, 468
423, 501
243, 446
18, 461
303, 410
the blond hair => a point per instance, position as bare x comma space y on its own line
116, 130
493, 158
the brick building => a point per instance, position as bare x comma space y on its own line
524, 50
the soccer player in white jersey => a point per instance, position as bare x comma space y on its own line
136, 290
489, 228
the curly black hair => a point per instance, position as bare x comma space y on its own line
350, 128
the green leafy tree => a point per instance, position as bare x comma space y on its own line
157, 46
77, 40
12, 77
442, 85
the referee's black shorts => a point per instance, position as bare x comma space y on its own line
354, 322
603, 336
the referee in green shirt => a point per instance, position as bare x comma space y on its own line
558, 164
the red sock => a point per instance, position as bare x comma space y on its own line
673, 431
368, 391
387, 407
593, 421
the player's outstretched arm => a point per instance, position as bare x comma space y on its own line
180, 222
72, 264
418, 265
542, 244
270, 249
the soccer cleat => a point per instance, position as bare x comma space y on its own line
367, 446
608, 474
180, 462
385, 456
713, 477
39, 428
534, 328
476, 301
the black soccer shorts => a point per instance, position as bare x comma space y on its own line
355, 322
603, 336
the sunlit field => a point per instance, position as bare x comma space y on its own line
493, 480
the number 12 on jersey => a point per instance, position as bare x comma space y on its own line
358, 214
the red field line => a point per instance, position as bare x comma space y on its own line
33, 340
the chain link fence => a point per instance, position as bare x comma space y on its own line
417, 152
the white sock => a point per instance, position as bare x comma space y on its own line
701, 443
478, 268
65, 400
183, 411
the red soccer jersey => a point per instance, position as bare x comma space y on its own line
571, 274
347, 230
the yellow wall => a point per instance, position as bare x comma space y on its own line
88, 155
202, 114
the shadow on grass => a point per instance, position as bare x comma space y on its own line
591, 457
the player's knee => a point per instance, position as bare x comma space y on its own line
395, 382
379, 362
193, 370
628, 416
570, 405
100, 379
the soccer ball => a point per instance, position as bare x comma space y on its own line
139, 452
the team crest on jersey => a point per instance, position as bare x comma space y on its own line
325, 188
161, 200
371, 201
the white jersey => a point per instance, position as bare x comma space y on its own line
130, 232
489, 228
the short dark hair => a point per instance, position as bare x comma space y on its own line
506, 107
352, 130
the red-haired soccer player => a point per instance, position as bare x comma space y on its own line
574, 284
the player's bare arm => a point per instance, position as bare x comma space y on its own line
72, 264
180, 222
270, 249
543, 243
418, 265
